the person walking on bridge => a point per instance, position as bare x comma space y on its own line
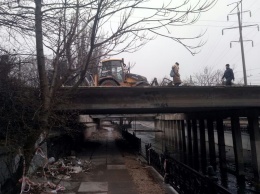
228, 75
176, 76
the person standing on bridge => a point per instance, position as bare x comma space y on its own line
176, 76
228, 75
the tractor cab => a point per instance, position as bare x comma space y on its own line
113, 69
113, 72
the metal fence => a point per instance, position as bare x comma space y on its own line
182, 178
132, 139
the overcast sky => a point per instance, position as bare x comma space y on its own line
156, 58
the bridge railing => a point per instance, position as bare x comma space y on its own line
181, 177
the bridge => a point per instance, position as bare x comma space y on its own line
205, 110
127, 100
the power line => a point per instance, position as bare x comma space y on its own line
212, 50
240, 27
235, 56
225, 21
224, 52
250, 69
252, 4
247, 50
206, 59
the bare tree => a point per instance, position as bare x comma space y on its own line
208, 77
77, 33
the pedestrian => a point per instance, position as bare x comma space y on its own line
176, 76
228, 75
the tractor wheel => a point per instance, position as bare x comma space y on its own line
108, 83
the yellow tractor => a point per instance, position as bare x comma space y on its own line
113, 72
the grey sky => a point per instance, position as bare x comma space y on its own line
156, 58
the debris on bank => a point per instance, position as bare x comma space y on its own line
60, 170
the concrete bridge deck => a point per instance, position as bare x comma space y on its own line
127, 100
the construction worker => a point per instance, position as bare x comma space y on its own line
176, 76
228, 75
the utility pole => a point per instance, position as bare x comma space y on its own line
240, 27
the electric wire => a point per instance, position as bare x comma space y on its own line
235, 56
206, 59
246, 51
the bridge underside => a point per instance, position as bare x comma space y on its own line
205, 108
142, 100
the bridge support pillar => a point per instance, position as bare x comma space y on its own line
121, 121
166, 136
254, 132
211, 140
195, 145
169, 133
183, 136
183, 141
162, 123
222, 151
203, 146
179, 134
97, 121
157, 124
172, 133
221, 145
237, 144
189, 142
175, 134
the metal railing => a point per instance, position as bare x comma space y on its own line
132, 139
182, 178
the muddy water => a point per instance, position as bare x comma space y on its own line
226, 179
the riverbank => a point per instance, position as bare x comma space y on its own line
105, 163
